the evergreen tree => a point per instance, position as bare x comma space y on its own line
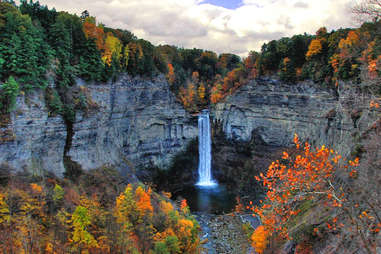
90, 63
9, 92
24, 51
62, 42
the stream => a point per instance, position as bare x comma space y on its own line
224, 233
222, 230
213, 205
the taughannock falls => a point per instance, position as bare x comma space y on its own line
205, 153
111, 144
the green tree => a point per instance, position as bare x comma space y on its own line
287, 70
81, 238
24, 50
9, 92
90, 65
62, 41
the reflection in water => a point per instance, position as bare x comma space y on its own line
209, 199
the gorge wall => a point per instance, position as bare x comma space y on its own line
133, 122
274, 111
138, 122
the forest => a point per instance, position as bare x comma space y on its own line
97, 213
40, 46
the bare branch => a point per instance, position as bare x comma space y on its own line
368, 10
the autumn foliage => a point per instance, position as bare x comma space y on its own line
310, 175
259, 239
314, 48
55, 216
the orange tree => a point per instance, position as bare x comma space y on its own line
311, 175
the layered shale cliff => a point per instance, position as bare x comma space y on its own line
273, 111
31, 140
138, 122
133, 122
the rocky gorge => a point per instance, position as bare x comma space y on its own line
140, 121
137, 123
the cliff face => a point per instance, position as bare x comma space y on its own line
135, 122
274, 111
139, 121
32, 140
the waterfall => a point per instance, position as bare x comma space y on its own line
204, 150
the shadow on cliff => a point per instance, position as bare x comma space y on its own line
182, 171
234, 164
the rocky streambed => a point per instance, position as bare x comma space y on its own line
225, 233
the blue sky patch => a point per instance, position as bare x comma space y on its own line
229, 4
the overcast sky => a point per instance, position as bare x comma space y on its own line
235, 26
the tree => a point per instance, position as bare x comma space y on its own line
113, 49
201, 93
90, 65
125, 57
259, 239
287, 70
270, 57
368, 10
171, 76
216, 93
314, 49
24, 51
9, 92
93, 31
143, 201
81, 238
4, 210
312, 175
62, 42
58, 193
187, 95
206, 64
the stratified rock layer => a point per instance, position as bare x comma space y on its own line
133, 122
32, 140
137, 121
274, 112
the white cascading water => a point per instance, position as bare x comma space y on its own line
205, 151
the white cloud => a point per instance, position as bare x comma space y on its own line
190, 23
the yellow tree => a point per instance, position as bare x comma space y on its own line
82, 240
352, 39
113, 49
201, 93
4, 210
126, 56
187, 95
27, 220
314, 48
126, 216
